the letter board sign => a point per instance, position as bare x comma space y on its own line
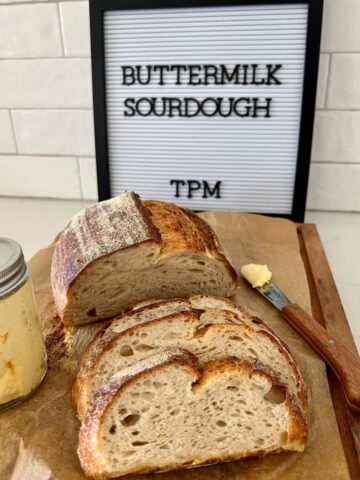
207, 104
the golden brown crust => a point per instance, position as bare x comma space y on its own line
298, 428
207, 462
125, 222
97, 231
177, 231
85, 374
78, 401
281, 346
85, 363
212, 242
182, 229
92, 462
94, 347
277, 347
267, 331
300, 438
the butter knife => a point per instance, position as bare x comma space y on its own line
344, 363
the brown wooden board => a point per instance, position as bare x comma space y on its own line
27, 453
328, 311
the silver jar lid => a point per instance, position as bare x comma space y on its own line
12, 265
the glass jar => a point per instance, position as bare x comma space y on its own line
22, 350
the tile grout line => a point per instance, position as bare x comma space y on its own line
324, 109
50, 109
61, 30
47, 155
329, 73
13, 132
340, 52
80, 178
327, 56
35, 59
36, 2
329, 162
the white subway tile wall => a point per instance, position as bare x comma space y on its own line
45, 83
88, 177
40, 176
337, 137
7, 139
75, 28
30, 31
322, 80
54, 132
330, 185
46, 126
344, 81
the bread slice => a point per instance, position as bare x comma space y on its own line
208, 301
150, 309
208, 334
165, 413
110, 330
121, 251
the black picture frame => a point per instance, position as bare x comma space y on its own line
315, 9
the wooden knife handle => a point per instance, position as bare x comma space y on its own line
345, 364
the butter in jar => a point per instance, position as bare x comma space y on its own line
22, 349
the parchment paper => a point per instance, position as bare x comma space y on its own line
38, 440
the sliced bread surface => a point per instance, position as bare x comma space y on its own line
140, 341
209, 333
211, 301
122, 251
118, 325
165, 413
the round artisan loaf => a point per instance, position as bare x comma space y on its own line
121, 251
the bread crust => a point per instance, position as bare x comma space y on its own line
92, 462
97, 231
95, 346
301, 388
78, 399
182, 229
265, 330
125, 222
303, 396
298, 431
95, 349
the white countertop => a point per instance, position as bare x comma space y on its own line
35, 222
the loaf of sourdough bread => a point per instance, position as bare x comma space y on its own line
124, 250
165, 413
219, 329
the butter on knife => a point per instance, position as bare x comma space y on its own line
256, 275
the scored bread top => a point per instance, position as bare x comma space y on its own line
183, 230
126, 221
99, 230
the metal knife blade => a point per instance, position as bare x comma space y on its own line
274, 295
343, 361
